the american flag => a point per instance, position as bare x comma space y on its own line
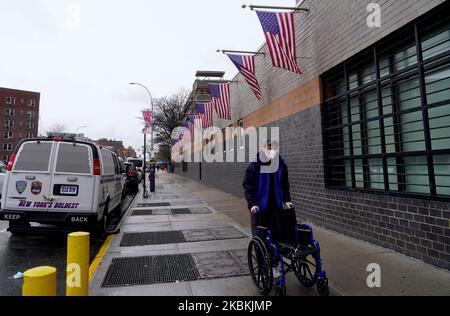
246, 66
191, 126
220, 94
279, 29
183, 133
198, 121
205, 110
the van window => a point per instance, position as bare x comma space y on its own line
137, 162
74, 159
34, 157
108, 163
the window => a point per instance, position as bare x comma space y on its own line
30, 114
34, 157
8, 135
10, 100
30, 125
389, 130
7, 147
109, 168
30, 135
6, 161
31, 103
9, 123
74, 159
10, 112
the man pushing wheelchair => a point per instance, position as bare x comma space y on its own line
279, 244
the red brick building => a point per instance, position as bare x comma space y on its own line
20, 119
118, 147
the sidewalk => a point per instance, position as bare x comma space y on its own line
202, 236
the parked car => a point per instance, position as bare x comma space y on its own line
139, 163
64, 182
132, 181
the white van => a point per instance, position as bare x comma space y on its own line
63, 182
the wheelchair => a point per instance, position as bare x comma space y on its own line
282, 243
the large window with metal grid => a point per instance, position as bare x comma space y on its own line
387, 115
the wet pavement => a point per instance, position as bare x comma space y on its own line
20, 253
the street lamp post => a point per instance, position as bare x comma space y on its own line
152, 174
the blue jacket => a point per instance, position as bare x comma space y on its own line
257, 184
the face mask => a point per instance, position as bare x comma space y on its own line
271, 154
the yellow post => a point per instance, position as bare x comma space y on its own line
77, 281
39, 281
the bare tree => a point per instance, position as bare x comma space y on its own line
170, 112
57, 128
164, 153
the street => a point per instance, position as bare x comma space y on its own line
18, 254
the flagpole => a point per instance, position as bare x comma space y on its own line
240, 52
152, 174
253, 7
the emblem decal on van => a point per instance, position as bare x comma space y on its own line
36, 188
21, 186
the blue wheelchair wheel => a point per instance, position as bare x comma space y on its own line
260, 266
306, 267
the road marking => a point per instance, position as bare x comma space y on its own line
98, 259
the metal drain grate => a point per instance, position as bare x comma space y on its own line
151, 270
153, 204
181, 211
142, 213
152, 238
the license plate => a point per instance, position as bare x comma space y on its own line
70, 190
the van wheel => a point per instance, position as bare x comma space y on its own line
118, 210
102, 226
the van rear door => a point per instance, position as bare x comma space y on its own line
73, 183
29, 181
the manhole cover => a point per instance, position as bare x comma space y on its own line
153, 204
151, 270
152, 238
181, 211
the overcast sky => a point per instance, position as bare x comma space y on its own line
82, 67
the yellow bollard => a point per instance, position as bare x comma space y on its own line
39, 281
77, 280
